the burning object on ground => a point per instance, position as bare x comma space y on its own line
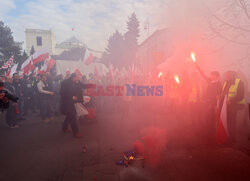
129, 157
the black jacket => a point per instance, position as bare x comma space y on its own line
67, 91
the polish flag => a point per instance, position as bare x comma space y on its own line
12, 70
88, 57
47, 66
27, 66
222, 130
9, 63
40, 55
37, 57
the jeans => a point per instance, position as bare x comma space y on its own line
70, 120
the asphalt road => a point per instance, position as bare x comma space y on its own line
41, 152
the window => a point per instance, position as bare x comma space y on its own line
39, 41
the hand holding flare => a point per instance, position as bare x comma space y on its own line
176, 77
193, 57
159, 75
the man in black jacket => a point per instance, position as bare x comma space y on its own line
69, 93
211, 98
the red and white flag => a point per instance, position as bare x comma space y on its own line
37, 57
88, 57
12, 70
47, 66
40, 55
8, 64
27, 66
222, 130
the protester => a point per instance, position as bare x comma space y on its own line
45, 95
68, 94
18, 84
12, 111
29, 91
71, 93
233, 91
6, 95
211, 97
56, 85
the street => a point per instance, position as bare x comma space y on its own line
42, 152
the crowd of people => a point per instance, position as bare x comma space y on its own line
49, 95
33, 93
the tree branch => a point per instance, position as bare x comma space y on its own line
244, 7
230, 25
226, 38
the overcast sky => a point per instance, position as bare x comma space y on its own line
93, 20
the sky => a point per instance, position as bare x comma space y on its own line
93, 20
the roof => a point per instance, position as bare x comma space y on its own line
72, 40
37, 31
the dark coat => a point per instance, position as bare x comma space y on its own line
67, 91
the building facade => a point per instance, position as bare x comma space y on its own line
45, 39
40, 39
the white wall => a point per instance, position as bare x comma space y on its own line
48, 40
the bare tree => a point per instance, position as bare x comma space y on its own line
231, 23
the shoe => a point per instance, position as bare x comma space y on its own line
77, 135
67, 131
14, 126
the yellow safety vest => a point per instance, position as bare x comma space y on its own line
232, 92
196, 91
